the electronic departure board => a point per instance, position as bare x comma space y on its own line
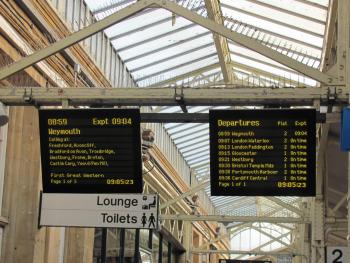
91, 151
262, 152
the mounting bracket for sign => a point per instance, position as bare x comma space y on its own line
180, 99
28, 98
332, 94
65, 103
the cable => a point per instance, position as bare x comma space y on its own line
151, 160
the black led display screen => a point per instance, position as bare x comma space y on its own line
262, 152
91, 151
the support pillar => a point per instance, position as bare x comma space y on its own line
318, 203
79, 245
187, 240
23, 241
303, 238
318, 214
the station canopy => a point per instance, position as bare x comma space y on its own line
161, 49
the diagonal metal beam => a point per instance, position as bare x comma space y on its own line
193, 190
268, 243
339, 204
144, 27
74, 38
270, 236
215, 14
284, 205
235, 228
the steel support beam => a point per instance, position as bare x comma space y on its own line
269, 242
215, 14
144, 27
230, 219
339, 204
193, 190
209, 95
285, 205
270, 236
74, 38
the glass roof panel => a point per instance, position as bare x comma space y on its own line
202, 53
261, 11
299, 7
157, 36
177, 47
275, 28
148, 17
145, 79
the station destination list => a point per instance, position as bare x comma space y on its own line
262, 152
91, 151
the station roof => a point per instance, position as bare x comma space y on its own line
162, 49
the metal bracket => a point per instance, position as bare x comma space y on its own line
28, 98
180, 98
332, 94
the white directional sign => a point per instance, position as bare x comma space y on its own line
337, 255
99, 210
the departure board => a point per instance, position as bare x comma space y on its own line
262, 152
91, 151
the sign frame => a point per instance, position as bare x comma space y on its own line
258, 115
118, 179
80, 210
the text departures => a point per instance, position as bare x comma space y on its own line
91, 151
262, 152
